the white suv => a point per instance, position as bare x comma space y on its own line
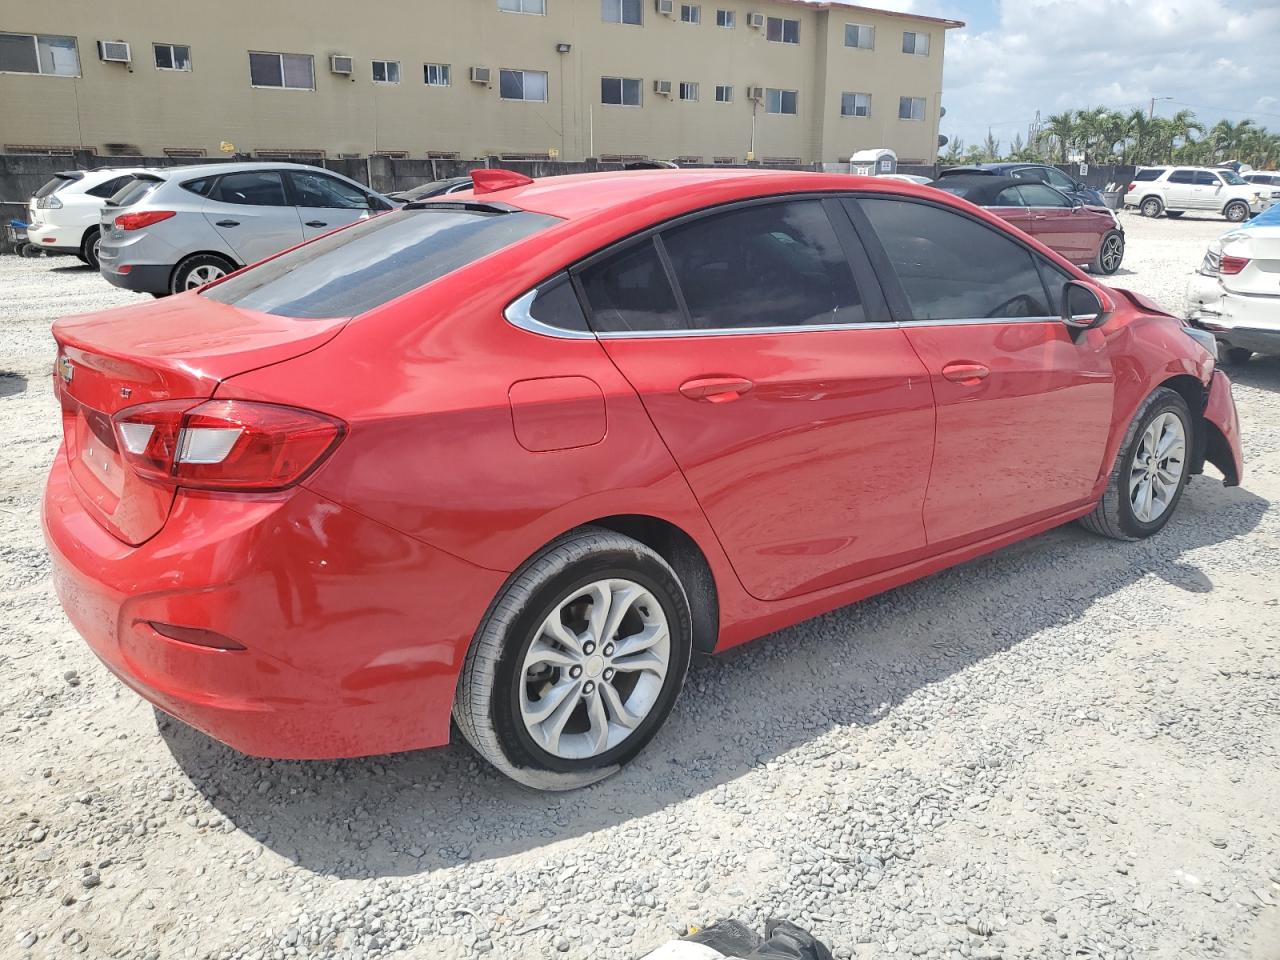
63, 215
1175, 190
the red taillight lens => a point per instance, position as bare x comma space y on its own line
225, 444
136, 221
1233, 264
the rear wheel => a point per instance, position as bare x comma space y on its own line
1237, 211
194, 272
577, 663
1110, 254
1150, 472
1237, 355
1151, 207
89, 247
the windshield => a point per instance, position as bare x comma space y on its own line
1232, 178
364, 266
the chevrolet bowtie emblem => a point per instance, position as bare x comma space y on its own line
65, 369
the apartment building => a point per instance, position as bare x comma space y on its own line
722, 81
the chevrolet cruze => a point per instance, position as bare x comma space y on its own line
512, 456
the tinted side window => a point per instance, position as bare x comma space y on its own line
1056, 178
629, 291
1036, 174
317, 190
1009, 197
556, 305
259, 188
201, 186
111, 187
954, 268
1206, 179
771, 265
1182, 176
134, 191
1038, 195
1148, 175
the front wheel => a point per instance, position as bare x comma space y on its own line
1236, 212
1110, 254
1150, 472
578, 662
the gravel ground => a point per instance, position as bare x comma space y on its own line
1070, 748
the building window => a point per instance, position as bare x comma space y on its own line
859, 35
688, 158
435, 74
386, 71
724, 160
538, 7
620, 11
727, 19
385, 154
688, 91
917, 43
780, 30
911, 108
690, 13
855, 104
622, 157
781, 101
34, 53
620, 91
782, 161
289, 71
724, 93
442, 154
172, 56
185, 152
522, 85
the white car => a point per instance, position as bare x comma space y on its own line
63, 215
1264, 178
1235, 295
905, 178
1175, 190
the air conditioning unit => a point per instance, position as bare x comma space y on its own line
665, 7
481, 75
114, 51
342, 65
755, 20
755, 93
662, 87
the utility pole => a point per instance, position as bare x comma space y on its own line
1151, 110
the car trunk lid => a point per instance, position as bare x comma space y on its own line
179, 348
1260, 274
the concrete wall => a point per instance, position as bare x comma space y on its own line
155, 109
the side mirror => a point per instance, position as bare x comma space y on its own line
1080, 185
1081, 308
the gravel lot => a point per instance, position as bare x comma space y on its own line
1070, 748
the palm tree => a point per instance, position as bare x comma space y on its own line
1228, 138
1062, 128
990, 148
955, 151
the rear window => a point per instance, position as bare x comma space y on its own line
1148, 175
131, 193
364, 266
58, 182
111, 187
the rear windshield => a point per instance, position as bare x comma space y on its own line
364, 266
134, 191
59, 180
1148, 175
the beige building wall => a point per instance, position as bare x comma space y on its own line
156, 109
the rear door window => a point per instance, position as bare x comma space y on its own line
1147, 175
258, 188
1182, 176
134, 191
111, 187
953, 268
629, 292
364, 266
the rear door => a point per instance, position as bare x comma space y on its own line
1023, 408
759, 344
1059, 224
326, 203
252, 212
1180, 190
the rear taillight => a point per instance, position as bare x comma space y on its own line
225, 444
49, 203
1230, 265
136, 221
1129, 189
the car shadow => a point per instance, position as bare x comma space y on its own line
12, 384
76, 267
410, 813
1261, 372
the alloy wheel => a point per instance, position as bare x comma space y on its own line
1112, 253
205, 273
1157, 467
595, 669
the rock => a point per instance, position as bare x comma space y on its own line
90, 880
28, 939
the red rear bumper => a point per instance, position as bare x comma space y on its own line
353, 633
1223, 451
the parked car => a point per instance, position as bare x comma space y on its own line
63, 215
905, 177
1264, 178
432, 188
513, 461
1083, 235
1038, 172
173, 230
1235, 295
1175, 190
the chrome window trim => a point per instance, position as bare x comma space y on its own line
742, 331
517, 314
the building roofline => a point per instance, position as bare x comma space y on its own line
858, 8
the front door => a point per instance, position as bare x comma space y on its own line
801, 418
1059, 224
1023, 409
252, 213
326, 203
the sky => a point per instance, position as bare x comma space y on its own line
1219, 58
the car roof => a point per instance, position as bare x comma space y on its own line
987, 169
209, 169
984, 188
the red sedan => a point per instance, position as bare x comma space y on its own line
514, 456
1087, 236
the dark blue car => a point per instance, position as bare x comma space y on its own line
1040, 172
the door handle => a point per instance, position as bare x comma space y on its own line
228, 223
316, 223
969, 374
1040, 216
715, 389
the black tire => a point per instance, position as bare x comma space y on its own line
1237, 356
89, 247
209, 262
1237, 211
1174, 214
1151, 207
487, 703
1114, 516
1110, 254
